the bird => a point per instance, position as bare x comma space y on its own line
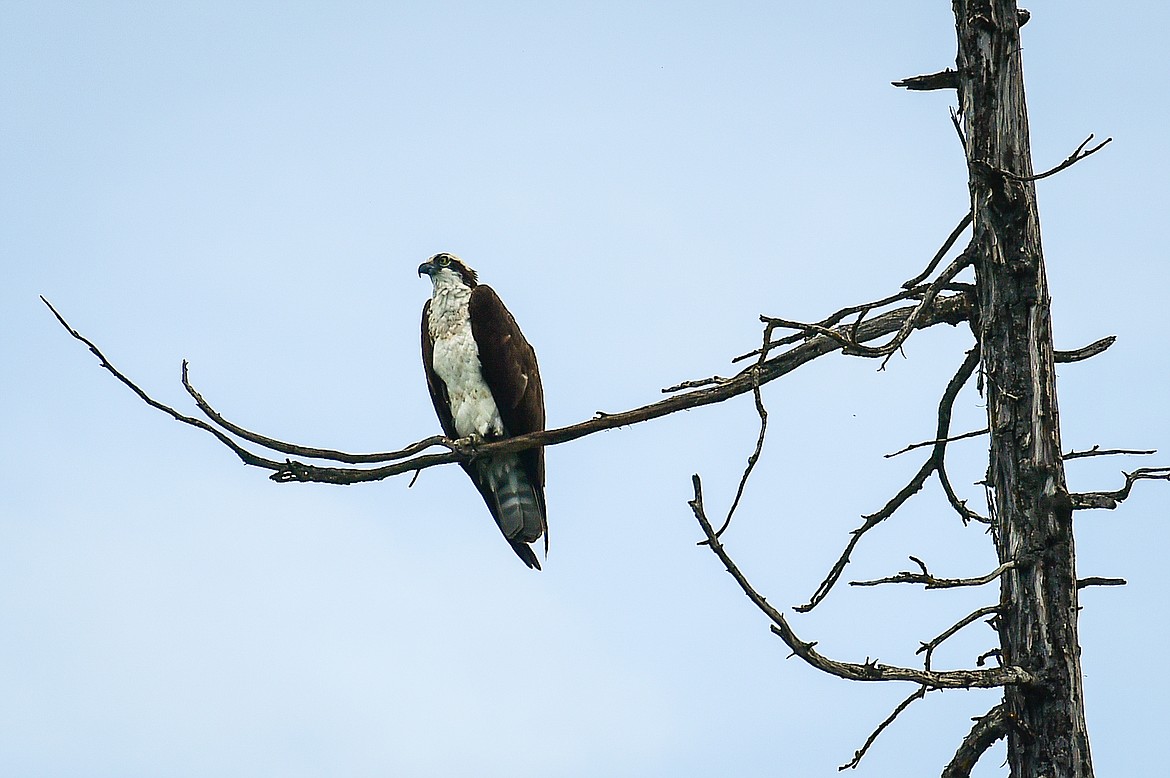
485, 385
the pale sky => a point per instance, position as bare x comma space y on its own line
251, 186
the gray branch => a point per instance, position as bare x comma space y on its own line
870, 670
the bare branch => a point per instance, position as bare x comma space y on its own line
1085, 352
1110, 500
958, 125
752, 459
245, 456
849, 343
834, 319
1069, 161
931, 582
964, 223
1083, 583
932, 465
871, 521
857, 756
988, 728
305, 451
929, 646
714, 380
950, 309
982, 658
870, 670
947, 79
938, 456
1097, 451
952, 439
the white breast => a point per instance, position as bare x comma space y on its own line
456, 362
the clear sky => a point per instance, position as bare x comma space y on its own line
251, 186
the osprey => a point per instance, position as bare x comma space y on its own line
485, 385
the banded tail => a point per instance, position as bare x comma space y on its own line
515, 505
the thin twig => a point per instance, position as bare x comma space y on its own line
929, 646
1071, 160
871, 520
952, 439
958, 124
751, 463
964, 223
917, 695
696, 384
245, 456
1097, 451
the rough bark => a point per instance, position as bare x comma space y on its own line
1031, 508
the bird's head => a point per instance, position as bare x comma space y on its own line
448, 267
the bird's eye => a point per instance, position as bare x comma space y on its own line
444, 260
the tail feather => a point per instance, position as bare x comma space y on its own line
517, 508
526, 554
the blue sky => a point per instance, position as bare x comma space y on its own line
251, 187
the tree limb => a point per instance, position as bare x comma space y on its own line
1085, 352
1097, 451
931, 582
951, 439
1083, 583
950, 309
870, 670
929, 646
852, 346
752, 458
964, 223
1110, 500
932, 465
1071, 160
946, 79
296, 450
988, 728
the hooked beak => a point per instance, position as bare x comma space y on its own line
427, 268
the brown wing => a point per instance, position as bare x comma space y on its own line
509, 367
508, 362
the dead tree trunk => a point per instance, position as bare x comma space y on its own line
1031, 508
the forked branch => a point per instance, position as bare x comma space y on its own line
1079, 154
870, 670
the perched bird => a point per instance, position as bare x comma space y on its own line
485, 385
